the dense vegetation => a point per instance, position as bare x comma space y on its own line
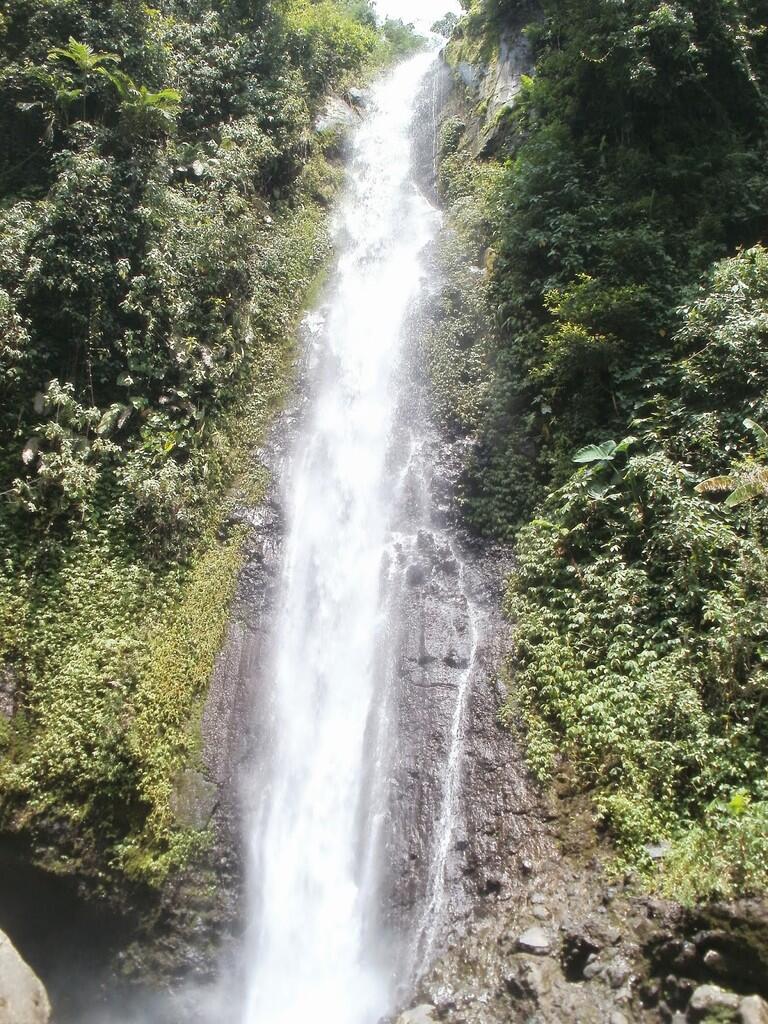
623, 205
162, 196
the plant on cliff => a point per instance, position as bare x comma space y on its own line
630, 301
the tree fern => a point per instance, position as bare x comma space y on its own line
85, 59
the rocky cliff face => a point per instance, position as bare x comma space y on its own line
575, 944
462, 821
483, 78
441, 658
539, 927
23, 999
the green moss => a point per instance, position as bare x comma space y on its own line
163, 736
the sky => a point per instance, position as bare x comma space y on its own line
422, 13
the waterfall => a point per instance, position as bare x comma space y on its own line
313, 952
434, 908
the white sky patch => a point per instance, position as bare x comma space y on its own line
422, 13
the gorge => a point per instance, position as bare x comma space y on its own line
383, 578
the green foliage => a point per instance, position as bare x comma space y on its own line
162, 215
626, 185
167, 703
751, 480
724, 856
84, 58
455, 328
444, 26
328, 41
449, 136
639, 646
113, 637
401, 38
629, 300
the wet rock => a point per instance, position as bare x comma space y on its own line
601, 932
715, 962
678, 991
415, 575
650, 993
491, 886
23, 1000
657, 851
336, 115
540, 913
593, 969
686, 958
582, 944
619, 971
535, 940
531, 981
423, 1014
753, 1010
739, 931
729, 959
660, 910
453, 660
711, 1000
357, 97
578, 952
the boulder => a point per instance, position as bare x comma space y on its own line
423, 1014
593, 969
619, 972
336, 115
712, 1001
657, 851
357, 97
23, 1000
716, 963
753, 1010
193, 799
535, 940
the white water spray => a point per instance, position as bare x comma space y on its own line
313, 953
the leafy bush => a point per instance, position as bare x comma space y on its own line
630, 340
724, 856
328, 42
641, 631
607, 218
163, 210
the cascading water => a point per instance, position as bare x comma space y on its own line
313, 951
